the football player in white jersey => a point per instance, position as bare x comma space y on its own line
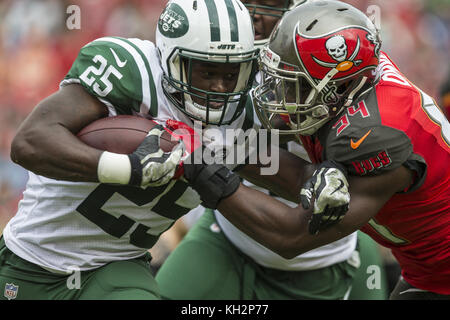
94, 214
215, 251
88, 217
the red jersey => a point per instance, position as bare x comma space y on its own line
397, 124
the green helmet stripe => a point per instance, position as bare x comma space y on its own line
233, 20
213, 20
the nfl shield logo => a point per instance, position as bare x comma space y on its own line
11, 291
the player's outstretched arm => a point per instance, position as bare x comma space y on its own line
46, 144
285, 230
299, 181
292, 173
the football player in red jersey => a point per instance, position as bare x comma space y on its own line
324, 74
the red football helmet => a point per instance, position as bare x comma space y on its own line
321, 56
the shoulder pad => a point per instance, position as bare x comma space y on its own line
116, 70
370, 150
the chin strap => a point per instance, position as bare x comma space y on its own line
355, 91
322, 83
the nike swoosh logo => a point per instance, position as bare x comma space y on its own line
121, 64
340, 186
356, 144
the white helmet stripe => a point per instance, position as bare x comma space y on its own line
223, 27
234, 28
224, 21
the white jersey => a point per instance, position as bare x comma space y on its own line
321, 257
63, 225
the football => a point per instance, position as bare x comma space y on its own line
122, 134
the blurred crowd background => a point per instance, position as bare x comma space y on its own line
37, 49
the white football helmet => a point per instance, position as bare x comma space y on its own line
212, 31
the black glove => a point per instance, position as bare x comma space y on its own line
212, 182
329, 186
150, 165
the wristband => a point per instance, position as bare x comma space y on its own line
114, 168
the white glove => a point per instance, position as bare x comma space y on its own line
329, 186
150, 165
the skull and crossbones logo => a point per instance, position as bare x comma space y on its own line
337, 49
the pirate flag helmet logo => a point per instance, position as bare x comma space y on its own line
344, 53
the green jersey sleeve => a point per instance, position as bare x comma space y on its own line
116, 71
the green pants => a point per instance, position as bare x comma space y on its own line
370, 282
121, 280
206, 265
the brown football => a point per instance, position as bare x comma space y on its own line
122, 134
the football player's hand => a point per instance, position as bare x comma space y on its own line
212, 182
181, 131
150, 165
329, 186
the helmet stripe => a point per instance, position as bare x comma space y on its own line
233, 20
213, 20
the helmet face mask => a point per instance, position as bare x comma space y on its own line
201, 38
326, 63
196, 101
277, 10
266, 14
284, 92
